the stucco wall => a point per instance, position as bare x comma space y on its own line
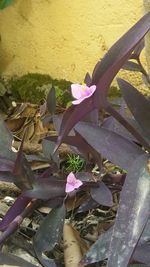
64, 38
147, 42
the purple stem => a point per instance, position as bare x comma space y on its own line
13, 226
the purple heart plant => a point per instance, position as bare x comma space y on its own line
121, 138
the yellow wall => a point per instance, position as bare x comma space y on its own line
64, 38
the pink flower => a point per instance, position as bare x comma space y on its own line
81, 92
72, 183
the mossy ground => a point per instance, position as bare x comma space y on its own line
34, 87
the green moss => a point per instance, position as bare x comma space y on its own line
114, 92
34, 87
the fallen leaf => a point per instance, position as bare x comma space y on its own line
73, 248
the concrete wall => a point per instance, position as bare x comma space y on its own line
147, 39
64, 38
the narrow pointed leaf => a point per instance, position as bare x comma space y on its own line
48, 148
138, 49
121, 50
138, 105
112, 124
112, 146
47, 188
99, 250
19, 205
132, 66
6, 165
7, 177
90, 203
82, 146
133, 213
73, 115
142, 254
103, 75
102, 195
49, 234
87, 79
22, 170
7, 259
51, 101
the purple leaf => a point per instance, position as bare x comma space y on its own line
133, 213
47, 188
73, 115
99, 250
6, 165
7, 259
48, 148
138, 49
132, 66
138, 105
19, 205
92, 117
112, 124
51, 101
22, 170
80, 143
102, 195
87, 79
103, 75
141, 253
112, 146
55, 202
145, 237
121, 51
138, 265
49, 233
7, 177
87, 205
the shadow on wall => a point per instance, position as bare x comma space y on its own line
25, 9
5, 58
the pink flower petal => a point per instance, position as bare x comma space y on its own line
71, 178
93, 88
72, 183
78, 101
78, 183
69, 188
76, 90
81, 92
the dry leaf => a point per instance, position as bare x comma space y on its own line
74, 247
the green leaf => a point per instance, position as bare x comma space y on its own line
5, 3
